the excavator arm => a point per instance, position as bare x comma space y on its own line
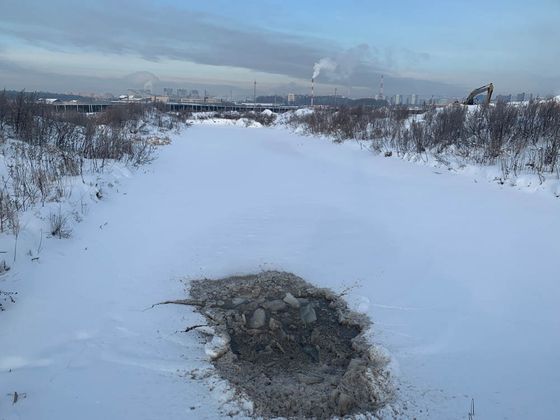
489, 89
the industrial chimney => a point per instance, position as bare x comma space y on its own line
312, 90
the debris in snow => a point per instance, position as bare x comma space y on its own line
311, 359
218, 346
16, 396
5, 297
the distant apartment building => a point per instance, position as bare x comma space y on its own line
291, 98
182, 93
168, 91
521, 97
413, 99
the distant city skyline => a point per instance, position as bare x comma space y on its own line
436, 48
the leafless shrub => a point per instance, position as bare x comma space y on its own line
8, 211
447, 128
5, 296
4, 109
141, 153
516, 137
119, 116
418, 136
262, 118
4, 268
59, 225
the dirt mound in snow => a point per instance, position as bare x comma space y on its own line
293, 349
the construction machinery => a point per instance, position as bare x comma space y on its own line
489, 89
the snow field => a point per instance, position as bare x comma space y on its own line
459, 278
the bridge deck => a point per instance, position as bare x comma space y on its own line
179, 106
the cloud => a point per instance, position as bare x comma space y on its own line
158, 32
155, 33
18, 77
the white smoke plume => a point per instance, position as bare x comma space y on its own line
324, 64
142, 78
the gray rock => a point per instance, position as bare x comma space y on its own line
258, 319
312, 352
238, 301
307, 314
274, 325
274, 305
345, 403
309, 379
291, 300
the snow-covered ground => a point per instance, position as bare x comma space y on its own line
460, 278
525, 181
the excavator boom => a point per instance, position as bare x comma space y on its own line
489, 89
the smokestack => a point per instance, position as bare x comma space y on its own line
312, 90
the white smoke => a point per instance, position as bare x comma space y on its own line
145, 79
324, 64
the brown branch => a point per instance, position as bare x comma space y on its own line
189, 302
194, 327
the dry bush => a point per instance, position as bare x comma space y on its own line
52, 145
59, 225
517, 137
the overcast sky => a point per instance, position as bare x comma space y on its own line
424, 47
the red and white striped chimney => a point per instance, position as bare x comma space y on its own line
312, 90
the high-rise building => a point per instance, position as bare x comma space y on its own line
182, 93
413, 99
291, 98
521, 97
503, 98
168, 91
398, 99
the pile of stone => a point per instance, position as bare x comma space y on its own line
293, 349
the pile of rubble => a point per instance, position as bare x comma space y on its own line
294, 350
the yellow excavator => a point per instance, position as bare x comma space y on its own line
489, 89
